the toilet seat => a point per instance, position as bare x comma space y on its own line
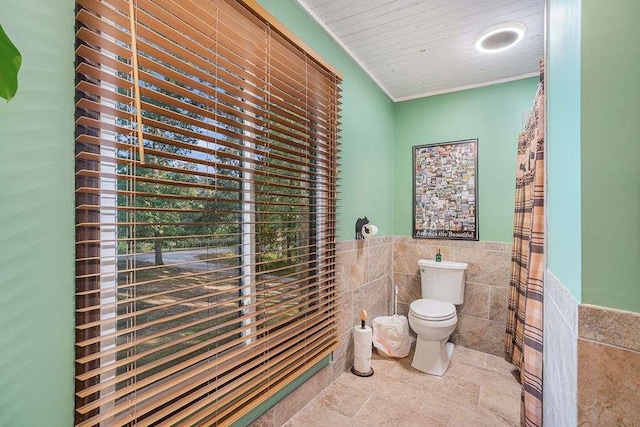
433, 310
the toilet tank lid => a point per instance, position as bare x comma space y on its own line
452, 265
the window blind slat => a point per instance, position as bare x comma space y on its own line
86, 375
320, 114
163, 155
189, 42
291, 352
172, 357
204, 186
141, 325
195, 374
159, 167
279, 120
290, 362
274, 152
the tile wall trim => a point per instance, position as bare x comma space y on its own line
609, 326
560, 406
565, 303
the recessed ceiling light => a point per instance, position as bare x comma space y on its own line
500, 37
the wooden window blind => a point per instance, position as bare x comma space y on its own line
206, 169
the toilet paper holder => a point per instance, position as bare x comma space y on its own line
362, 341
364, 229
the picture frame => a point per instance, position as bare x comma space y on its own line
445, 190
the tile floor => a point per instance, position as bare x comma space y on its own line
478, 389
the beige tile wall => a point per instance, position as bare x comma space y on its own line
482, 317
364, 269
608, 367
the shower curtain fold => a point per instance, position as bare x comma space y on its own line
523, 339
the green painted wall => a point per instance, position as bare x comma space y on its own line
36, 220
610, 154
563, 144
493, 114
366, 172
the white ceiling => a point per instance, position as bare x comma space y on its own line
416, 48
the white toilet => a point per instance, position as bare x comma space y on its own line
433, 318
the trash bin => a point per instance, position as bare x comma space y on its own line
391, 336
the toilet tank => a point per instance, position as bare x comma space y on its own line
443, 281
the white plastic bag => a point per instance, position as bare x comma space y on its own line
391, 335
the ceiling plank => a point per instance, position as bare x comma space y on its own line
412, 47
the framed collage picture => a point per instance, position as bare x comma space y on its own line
445, 190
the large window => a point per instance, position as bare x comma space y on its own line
206, 208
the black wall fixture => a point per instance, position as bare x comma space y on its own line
361, 222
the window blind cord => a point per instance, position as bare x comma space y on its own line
136, 79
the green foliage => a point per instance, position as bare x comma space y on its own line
10, 61
206, 212
169, 210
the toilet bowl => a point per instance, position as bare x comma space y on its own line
433, 317
433, 322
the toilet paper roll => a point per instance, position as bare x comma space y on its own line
362, 336
362, 340
369, 230
362, 365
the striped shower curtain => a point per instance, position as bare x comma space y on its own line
523, 340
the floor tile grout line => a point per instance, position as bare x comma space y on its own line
480, 394
312, 400
363, 405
